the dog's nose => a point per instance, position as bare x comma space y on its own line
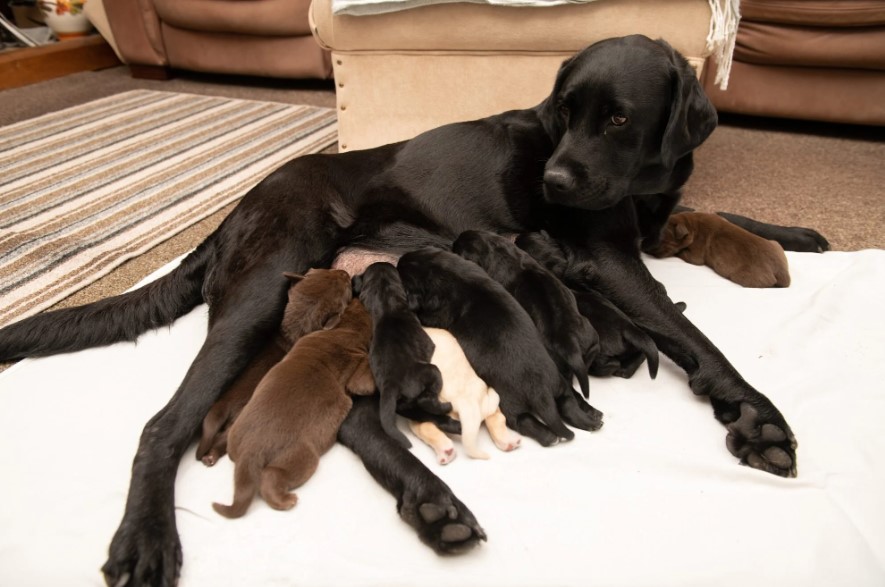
558, 180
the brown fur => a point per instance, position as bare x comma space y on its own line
294, 415
729, 250
316, 301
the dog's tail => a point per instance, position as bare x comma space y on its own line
115, 319
246, 476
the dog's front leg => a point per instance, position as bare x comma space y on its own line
608, 261
423, 500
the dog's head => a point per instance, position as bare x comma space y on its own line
316, 301
379, 288
624, 114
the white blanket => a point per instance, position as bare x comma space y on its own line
653, 499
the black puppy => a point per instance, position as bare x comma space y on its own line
622, 345
400, 352
618, 129
568, 336
500, 341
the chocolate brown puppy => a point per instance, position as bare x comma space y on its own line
294, 416
315, 301
701, 238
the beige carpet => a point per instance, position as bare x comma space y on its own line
88, 187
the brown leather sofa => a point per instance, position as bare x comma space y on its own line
808, 59
269, 38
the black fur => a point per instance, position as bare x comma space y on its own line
400, 352
618, 129
622, 345
500, 341
567, 335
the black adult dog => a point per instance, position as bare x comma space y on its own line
598, 163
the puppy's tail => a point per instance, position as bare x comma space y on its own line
647, 346
115, 319
545, 408
579, 369
246, 475
471, 421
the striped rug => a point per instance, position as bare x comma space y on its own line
84, 189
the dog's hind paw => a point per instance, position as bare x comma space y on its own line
143, 554
442, 521
765, 445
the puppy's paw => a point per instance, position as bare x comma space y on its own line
210, 458
761, 441
144, 552
511, 441
442, 521
446, 455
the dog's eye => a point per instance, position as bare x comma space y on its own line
619, 120
563, 110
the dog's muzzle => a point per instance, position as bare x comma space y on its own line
562, 187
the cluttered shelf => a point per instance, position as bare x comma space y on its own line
36, 44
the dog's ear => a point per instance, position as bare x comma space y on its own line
692, 115
548, 109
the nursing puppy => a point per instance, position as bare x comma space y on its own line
473, 402
315, 301
734, 253
569, 337
401, 350
500, 341
296, 412
622, 345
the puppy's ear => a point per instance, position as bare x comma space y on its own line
332, 321
692, 115
293, 278
681, 233
356, 283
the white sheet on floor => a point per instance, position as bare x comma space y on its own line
653, 499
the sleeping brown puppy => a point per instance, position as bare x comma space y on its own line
707, 239
296, 411
315, 301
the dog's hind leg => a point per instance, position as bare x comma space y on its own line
243, 316
286, 473
423, 500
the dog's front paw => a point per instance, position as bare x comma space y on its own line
804, 240
442, 521
762, 442
144, 553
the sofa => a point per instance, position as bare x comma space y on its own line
402, 72
269, 38
820, 60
